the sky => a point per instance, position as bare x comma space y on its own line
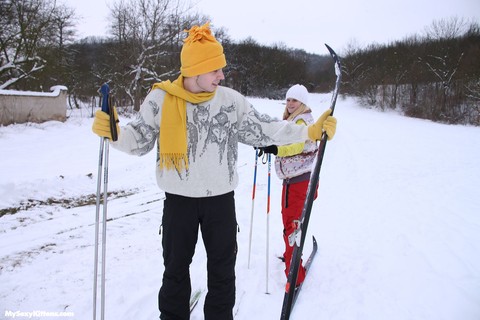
307, 24
396, 221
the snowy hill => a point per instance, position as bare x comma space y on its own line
397, 221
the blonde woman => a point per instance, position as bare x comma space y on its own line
293, 164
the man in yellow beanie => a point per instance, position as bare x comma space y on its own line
197, 125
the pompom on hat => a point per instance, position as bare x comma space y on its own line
201, 52
298, 92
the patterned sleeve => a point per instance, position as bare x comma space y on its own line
139, 136
261, 130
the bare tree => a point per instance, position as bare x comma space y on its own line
63, 26
22, 24
473, 90
148, 33
447, 29
27, 26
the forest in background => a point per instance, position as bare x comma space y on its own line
435, 75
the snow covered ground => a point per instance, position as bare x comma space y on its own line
397, 221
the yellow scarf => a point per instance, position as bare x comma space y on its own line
173, 125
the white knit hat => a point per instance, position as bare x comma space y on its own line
298, 92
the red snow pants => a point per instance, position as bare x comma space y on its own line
293, 199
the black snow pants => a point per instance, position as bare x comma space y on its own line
182, 217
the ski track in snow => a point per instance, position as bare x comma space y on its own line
397, 223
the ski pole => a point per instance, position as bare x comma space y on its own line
268, 221
253, 206
102, 159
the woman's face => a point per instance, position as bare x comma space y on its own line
292, 105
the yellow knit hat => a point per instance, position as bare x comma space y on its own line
201, 52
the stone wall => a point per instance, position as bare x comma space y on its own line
30, 106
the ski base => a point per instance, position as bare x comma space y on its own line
307, 266
296, 292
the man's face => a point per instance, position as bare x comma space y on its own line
208, 82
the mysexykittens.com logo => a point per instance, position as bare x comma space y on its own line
36, 314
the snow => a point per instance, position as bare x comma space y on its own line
397, 223
55, 92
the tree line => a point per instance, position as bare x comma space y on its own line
434, 77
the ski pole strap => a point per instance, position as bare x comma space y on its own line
265, 158
113, 120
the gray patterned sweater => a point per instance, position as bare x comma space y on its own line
215, 128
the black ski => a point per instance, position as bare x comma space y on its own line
298, 237
306, 266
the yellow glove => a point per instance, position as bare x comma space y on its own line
101, 124
324, 123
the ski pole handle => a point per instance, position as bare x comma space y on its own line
105, 91
106, 101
